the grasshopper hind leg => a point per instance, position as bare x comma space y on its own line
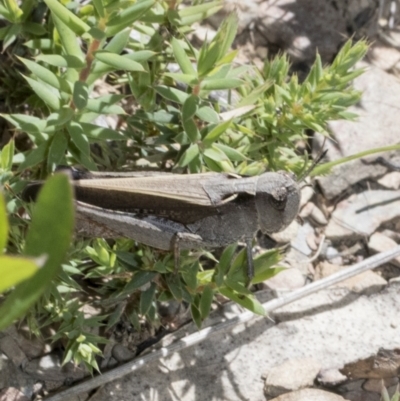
181, 240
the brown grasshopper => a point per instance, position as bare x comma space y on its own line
174, 212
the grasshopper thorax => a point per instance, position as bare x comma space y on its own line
277, 201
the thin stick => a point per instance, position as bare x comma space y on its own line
201, 335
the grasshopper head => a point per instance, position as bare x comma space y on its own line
277, 201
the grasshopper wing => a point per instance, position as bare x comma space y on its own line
182, 198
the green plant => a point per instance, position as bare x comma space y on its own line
386, 397
44, 250
177, 122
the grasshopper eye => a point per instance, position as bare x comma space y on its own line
278, 198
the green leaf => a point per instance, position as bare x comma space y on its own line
34, 157
118, 62
215, 154
59, 119
189, 108
184, 78
49, 96
191, 130
208, 115
7, 154
196, 316
224, 263
96, 132
189, 155
11, 35
139, 279
129, 15
69, 40
57, 150
33, 28
233, 154
3, 224
182, 59
206, 301
189, 274
216, 132
147, 298
175, 95
50, 234
61, 61
26, 123
45, 75
67, 17
80, 94
98, 5
254, 95
174, 285
15, 269
249, 302
220, 84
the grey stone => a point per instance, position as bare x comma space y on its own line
293, 374
288, 234
361, 214
12, 394
309, 394
331, 377
300, 242
360, 395
10, 347
12, 376
390, 180
382, 56
228, 365
288, 279
366, 283
121, 353
48, 368
379, 242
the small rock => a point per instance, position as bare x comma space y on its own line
288, 234
288, 279
300, 242
48, 368
360, 395
294, 374
262, 52
390, 180
361, 214
333, 256
331, 377
366, 283
122, 354
312, 211
309, 394
383, 57
375, 385
318, 216
380, 243
12, 394
306, 194
383, 365
9, 347
298, 260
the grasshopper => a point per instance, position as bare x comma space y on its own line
173, 212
